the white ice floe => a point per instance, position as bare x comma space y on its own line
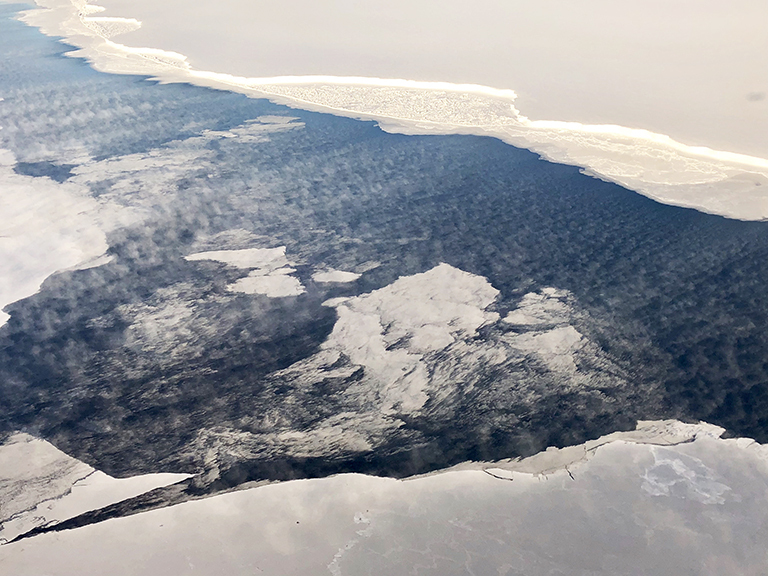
49, 227
271, 272
262, 258
45, 227
335, 277
407, 340
653, 164
388, 331
596, 517
423, 346
543, 308
42, 486
277, 284
550, 337
418, 339
429, 310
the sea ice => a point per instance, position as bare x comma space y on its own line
426, 312
335, 277
277, 284
590, 517
46, 227
261, 258
42, 486
270, 275
430, 338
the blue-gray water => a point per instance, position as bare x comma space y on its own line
674, 299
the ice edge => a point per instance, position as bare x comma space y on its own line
717, 182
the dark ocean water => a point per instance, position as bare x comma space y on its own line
675, 298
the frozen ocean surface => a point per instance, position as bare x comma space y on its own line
624, 509
200, 283
594, 62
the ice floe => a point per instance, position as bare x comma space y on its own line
50, 226
335, 277
424, 346
42, 486
262, 258
277, 284
271, 273
552, 338
423, 313
46, 227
